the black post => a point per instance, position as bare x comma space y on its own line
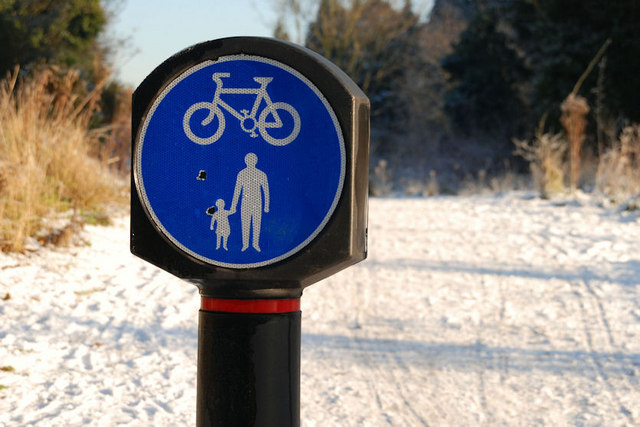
249, 348
248, 363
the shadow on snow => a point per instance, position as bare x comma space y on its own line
463, 357
622, 273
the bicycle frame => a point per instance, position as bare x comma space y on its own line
250, 121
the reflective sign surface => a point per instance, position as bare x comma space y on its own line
240, 162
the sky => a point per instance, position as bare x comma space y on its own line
156, 29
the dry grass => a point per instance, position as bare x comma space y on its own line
381, 182
46, 161
618, 173
546, 157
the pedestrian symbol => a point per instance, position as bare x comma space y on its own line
240, 161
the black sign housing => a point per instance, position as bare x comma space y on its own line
343, 240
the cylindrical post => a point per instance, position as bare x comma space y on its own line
248, 363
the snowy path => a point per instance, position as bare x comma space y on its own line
469, 311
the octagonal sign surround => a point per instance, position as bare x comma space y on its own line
250, 168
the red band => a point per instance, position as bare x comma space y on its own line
250, 306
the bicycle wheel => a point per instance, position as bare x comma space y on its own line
214, 111
277, 123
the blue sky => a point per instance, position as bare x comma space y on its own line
156, 29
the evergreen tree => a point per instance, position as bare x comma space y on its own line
60, 31
372, 42
552, 41
487, 72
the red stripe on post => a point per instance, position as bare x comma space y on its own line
250, 306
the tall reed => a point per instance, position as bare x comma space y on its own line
574, 120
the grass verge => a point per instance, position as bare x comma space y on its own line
47, 162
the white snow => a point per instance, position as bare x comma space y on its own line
478, 310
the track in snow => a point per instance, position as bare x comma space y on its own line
483, 310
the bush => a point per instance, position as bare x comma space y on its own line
546, 157
46, 147
618, 175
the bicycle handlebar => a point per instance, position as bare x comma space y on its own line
218, 76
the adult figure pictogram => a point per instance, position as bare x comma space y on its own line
252, 183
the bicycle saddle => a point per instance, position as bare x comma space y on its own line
263, 80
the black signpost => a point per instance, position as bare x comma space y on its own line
250, 180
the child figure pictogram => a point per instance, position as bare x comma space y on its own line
221, 216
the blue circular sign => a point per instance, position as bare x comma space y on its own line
240, 162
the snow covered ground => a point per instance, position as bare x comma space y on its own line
469, 311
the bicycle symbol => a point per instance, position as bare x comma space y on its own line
269, 117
